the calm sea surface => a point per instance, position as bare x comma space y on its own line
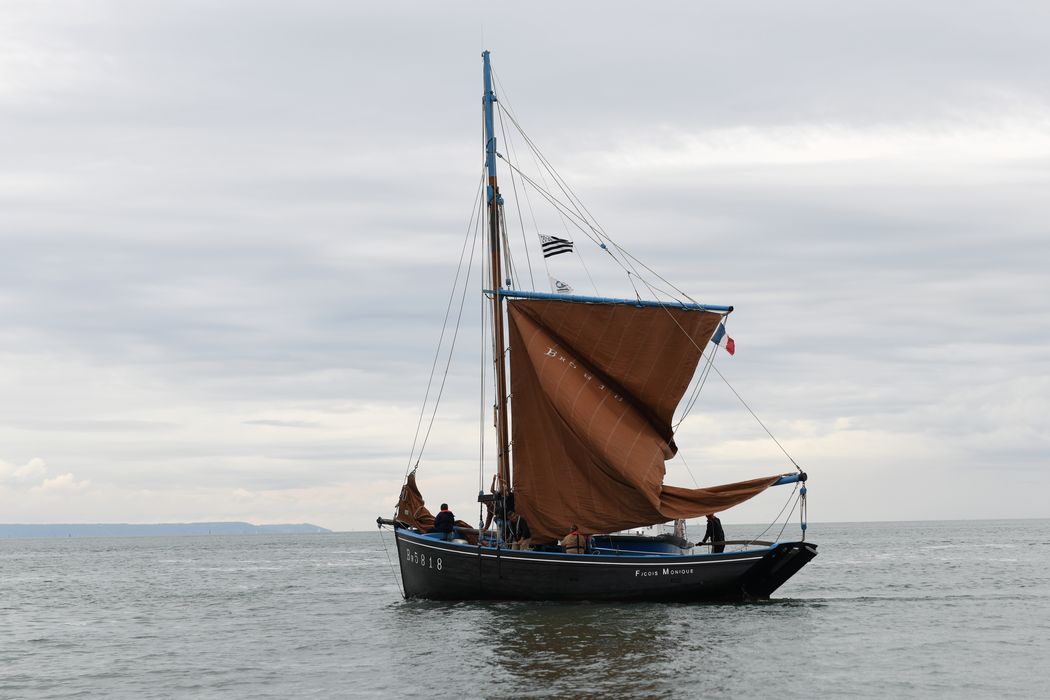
941, 609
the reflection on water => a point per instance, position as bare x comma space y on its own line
584, 649
599, 646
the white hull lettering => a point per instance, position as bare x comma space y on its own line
639, 573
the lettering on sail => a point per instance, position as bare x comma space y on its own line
587, 376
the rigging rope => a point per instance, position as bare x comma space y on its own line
505, 106
574, 211
790, 497
590, 219
784, 526
452, 346
731, 388
628, 268
517, 201
577, 219
397, 579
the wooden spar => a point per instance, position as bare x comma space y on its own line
498, 343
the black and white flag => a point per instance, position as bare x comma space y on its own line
552, 245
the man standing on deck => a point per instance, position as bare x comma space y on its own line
715, 533
444, 521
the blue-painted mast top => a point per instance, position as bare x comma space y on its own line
489, 100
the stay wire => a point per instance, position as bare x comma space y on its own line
701, 382
596, 235
585, 214
788, 519
777, 519
448, 363
654, 290
393, 573
732, 389
444, 328
580, 209
694, 395
517, 200
581, 224
452, 348
504, 100
574, 218
757, 419
561, 216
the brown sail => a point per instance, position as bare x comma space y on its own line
594, 388
412, 511
411, 508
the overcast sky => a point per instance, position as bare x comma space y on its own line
228, 233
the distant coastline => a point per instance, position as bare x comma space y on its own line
21, 531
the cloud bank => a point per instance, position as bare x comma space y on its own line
229, 234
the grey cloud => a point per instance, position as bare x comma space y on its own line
243, 211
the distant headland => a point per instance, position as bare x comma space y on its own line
18, 531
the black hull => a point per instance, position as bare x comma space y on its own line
449, 571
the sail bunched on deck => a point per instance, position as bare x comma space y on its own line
594, 388
413, 512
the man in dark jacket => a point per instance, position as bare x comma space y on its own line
444, 521
715, 533
520, 536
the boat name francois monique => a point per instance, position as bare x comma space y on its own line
662, 572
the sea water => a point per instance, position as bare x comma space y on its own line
923, 609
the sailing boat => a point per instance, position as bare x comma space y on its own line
594, 383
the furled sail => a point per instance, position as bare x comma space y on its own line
411, 508
594, 388
413, 512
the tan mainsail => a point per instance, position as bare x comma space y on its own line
594, 388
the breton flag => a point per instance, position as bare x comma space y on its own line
722, 338
552, 245
560, 287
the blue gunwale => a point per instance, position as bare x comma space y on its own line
606, 556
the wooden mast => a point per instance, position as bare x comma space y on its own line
495, 201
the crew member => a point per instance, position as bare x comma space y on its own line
715, 533
575, 543
444, 521
519, 532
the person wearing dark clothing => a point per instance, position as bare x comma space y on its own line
503, 507
444, 521
715, 533
520, 535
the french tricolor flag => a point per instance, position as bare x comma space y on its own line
722, 338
